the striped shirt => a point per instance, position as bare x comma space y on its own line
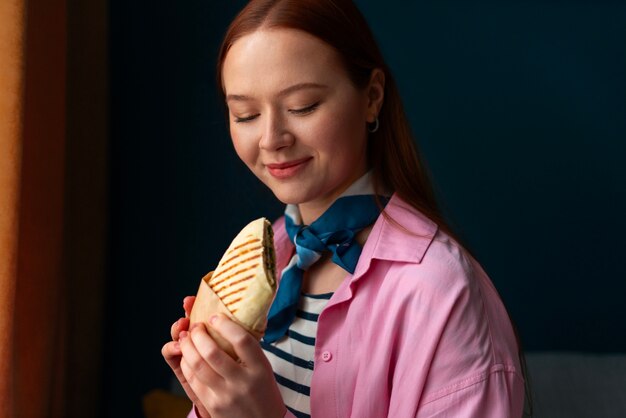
292, 356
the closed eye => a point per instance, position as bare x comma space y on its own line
245, 118
305, 110
300, 112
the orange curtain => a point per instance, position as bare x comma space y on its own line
32, 131
11, 63
53, 199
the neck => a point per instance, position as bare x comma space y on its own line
310, 212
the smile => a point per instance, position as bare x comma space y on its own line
287, 169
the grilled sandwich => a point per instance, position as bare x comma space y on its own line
243, 284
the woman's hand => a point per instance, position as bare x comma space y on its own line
172, 354
225, 387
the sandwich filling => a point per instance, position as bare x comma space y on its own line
269, 256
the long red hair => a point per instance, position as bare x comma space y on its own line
392, 152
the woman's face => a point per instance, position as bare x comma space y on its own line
296, 119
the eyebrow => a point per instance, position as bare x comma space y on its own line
285, 92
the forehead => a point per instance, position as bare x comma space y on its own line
268, 60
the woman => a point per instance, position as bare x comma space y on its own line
379, 312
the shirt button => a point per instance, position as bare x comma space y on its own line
327, 356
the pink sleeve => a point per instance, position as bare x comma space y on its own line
458, 350
488, 395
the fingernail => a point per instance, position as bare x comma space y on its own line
182, 335
212, 319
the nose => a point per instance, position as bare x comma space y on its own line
276, 134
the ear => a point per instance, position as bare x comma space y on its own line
375, 94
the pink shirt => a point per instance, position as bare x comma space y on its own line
418, 331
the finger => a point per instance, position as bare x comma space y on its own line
196, 363
181, 325
203, 391
218, 359
188, 304
171, 353
246, 346
203, 394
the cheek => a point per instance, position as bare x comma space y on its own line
245, 147
341, 135
344, 127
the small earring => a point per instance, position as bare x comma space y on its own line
375, 127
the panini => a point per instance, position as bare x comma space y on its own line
243, 284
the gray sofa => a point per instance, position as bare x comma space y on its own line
578, 385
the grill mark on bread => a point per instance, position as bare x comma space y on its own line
241, 253
233, 266
252, 255
252, 241
228, 285
233, 302
234, 292
233, 274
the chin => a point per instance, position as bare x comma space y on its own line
289, 198
290, 195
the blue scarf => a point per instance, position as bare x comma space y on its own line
333, 231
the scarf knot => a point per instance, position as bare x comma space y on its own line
335, 232
310, 246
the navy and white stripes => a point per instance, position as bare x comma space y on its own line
292, 356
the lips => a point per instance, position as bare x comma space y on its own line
288, 168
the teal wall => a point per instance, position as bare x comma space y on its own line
518, 106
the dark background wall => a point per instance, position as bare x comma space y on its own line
518, 106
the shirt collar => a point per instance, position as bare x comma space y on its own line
405, 242
404, 237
